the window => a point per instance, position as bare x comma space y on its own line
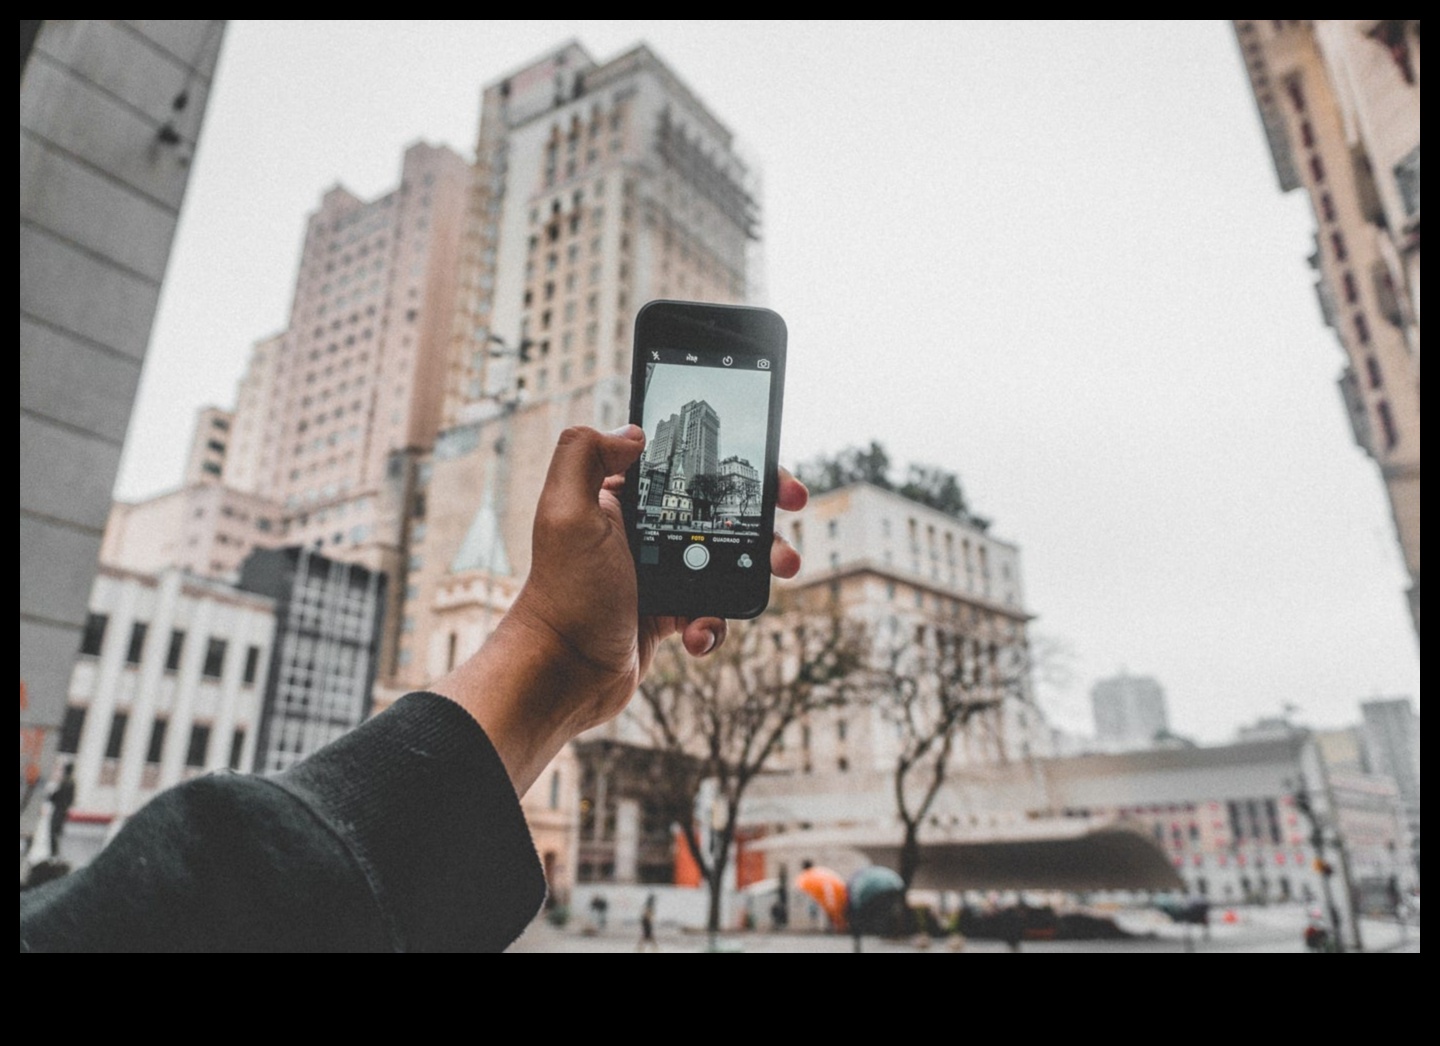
1372, 368
177, 647
70, 729
157, 740
252, 664
1387, 425
214, 658
94, 637
116, 737
237, 748
199, 742
137, 643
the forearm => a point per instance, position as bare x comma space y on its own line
522, 688
404, 835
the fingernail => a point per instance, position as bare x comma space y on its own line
628, 431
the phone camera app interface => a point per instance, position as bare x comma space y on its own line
701, 487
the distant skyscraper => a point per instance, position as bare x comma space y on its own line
1340, 105
1129, 711
1391, 730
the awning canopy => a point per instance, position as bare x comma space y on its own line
1068, 854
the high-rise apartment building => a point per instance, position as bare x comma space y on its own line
332, 412
357, 377
598, 186
1339, 102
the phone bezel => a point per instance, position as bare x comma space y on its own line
747, 332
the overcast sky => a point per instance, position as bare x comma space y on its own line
1051, 257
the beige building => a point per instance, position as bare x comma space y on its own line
598, 186
207, 529
916, 577
1340, 104
332, 412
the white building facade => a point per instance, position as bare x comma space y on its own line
169, 684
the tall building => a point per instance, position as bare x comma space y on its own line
334, 411
1129, 711
1340, 105
110, 118
1391, 731
598, 186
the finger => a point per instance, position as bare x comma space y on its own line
784, 559
703, 635
792, 494
582, 461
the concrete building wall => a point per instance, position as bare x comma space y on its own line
110, 117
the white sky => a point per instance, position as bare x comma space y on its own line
1051, 257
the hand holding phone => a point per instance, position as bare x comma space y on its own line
707, 387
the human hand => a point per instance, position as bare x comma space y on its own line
572, 649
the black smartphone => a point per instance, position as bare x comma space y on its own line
707, 387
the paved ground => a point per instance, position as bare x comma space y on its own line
1254, 930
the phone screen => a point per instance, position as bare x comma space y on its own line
700, 509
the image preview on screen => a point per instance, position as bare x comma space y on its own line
705, 424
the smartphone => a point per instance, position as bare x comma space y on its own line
707, 386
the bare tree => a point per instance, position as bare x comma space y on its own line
729, 712
938, 690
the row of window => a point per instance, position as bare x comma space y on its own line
1325, 206
92, 642
195, 749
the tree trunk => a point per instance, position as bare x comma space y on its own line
910, 853
716, 882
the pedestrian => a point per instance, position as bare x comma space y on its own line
62, 797
647, 926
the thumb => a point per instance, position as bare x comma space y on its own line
583, 459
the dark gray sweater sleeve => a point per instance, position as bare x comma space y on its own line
404, 835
